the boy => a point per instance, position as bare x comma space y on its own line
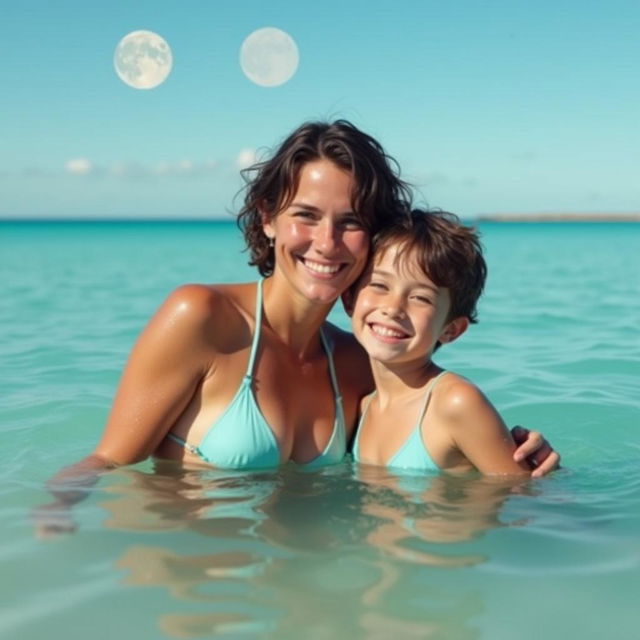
419, 292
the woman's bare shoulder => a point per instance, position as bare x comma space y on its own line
210, 312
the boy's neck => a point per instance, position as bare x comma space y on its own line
394, 383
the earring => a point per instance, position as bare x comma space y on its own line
272, 243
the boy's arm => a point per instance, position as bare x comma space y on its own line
478, 431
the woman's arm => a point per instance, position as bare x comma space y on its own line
164, 369
165, 366
537, 451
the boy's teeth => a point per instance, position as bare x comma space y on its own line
386, 332
321, 268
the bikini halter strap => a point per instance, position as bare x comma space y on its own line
256, 331
332, 369
431, 386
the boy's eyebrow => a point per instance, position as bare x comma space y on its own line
416, 283
382, 272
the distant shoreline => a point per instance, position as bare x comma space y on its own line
74, 220
488, 217
559, 217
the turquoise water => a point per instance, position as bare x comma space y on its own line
341, 553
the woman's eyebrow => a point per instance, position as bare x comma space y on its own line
310, 207
304, 205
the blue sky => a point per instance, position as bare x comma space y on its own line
488, 106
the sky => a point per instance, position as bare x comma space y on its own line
489, 106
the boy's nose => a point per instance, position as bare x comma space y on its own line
393, 308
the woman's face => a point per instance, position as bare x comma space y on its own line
320, 245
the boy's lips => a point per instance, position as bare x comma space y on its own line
387, 333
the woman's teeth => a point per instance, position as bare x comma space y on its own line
321, 268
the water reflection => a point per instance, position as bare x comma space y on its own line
419, 514
316, 555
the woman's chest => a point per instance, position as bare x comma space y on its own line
295, 402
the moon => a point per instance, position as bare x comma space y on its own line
143, 59
269, 57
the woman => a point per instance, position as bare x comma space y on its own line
252, 375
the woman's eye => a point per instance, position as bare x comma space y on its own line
305, 215
352, 224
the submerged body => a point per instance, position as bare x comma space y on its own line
309, 216
262, 349
420, 292
413, 453
242, 438
446, 424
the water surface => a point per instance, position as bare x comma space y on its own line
165, 552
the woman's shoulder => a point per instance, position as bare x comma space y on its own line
207, 310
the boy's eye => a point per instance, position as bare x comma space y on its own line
423, 299
378, 285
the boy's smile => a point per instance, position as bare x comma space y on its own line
399, 313
387, 333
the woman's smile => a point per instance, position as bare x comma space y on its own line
320, 245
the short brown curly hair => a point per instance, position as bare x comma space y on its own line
379, 197
447, 252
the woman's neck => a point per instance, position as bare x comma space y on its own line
293, 318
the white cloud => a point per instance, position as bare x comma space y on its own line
78, 166
246, 158
184, 167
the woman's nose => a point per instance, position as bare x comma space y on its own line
325, 238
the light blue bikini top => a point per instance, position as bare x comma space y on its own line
412, 454
241, 438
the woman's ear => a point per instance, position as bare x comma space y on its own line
267, 222
454, 330
269, 231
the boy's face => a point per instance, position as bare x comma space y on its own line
399, 313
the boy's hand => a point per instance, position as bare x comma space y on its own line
537, 451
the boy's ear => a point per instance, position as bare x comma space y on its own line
454, 330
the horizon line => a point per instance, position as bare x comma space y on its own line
631, 216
